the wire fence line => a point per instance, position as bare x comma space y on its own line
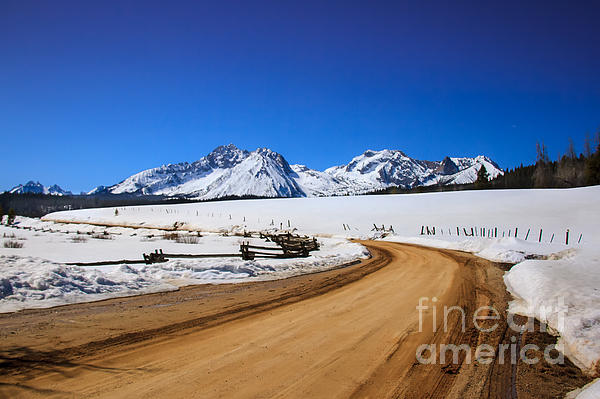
531, 235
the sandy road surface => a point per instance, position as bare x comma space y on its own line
350, 332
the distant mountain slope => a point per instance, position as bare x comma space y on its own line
467, 170
32, 187
229, 171
226, 171
375, 170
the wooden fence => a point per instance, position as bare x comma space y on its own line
288, 246
495, 232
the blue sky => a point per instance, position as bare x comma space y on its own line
92, 92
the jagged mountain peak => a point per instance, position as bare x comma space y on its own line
225, 171
447, 167
35, 187
383, 153
275, 157
230, 171
370, 158
225, 156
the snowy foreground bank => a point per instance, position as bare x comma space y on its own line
549, 268
36, 275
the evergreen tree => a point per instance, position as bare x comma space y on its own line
587, 146
541, 153
482, 178
569, 170
11, 216
592, 168
542, 176
571, 150
1, 214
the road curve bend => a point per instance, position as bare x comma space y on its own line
351, 337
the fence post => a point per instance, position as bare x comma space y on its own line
552, 239
580, 235
567, 238
422, 230
516, 230
496, 232
527, 235
457, 231
540, 239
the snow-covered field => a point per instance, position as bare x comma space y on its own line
559, 270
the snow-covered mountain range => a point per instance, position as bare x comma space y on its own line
230, 171
32, 187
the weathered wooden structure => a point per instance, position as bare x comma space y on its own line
288, 245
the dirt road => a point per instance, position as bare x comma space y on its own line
344, 333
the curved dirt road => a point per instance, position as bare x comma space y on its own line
354, 336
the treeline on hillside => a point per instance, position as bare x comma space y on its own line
570, 170
37, 205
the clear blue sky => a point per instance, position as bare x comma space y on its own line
94, 91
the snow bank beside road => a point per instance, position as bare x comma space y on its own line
590, 391
36, 275
572, 282
504, 250
30, 282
